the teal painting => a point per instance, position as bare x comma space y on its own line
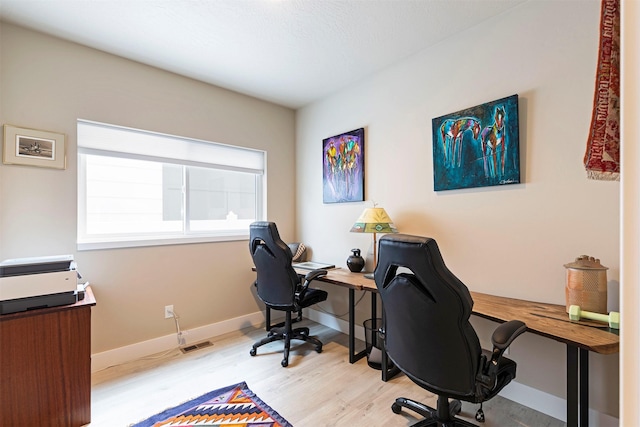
477, 146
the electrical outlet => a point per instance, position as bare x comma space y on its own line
168, 311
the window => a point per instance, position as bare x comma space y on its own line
139, 188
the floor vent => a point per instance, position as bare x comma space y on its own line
194, 347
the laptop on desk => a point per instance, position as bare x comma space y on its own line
311, 265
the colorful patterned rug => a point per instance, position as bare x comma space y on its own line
233, 406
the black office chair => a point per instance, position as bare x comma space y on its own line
280, 287
427, 333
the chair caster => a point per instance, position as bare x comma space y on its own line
480, 415
319, 348
284, 363
252, 352
455, 407
396, 408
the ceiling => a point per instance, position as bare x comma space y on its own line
290, 52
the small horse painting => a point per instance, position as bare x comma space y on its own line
493, 138
477, 147
451, 132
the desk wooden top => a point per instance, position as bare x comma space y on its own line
347, 279
549, 320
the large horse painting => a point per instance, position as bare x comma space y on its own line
343, 168
477, 147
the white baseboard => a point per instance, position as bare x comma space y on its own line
530, 397
135, 351
333, 322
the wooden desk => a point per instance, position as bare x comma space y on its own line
45, 366
548, 320
552, 321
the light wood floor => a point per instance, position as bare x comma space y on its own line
317, 389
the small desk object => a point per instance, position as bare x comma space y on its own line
45, 365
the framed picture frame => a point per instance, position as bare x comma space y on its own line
31, 147
477, 146
343, 167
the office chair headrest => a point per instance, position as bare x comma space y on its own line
422, 256
266, 233
401, 250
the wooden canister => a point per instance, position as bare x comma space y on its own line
587, 284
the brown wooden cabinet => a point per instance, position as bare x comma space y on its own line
45, 366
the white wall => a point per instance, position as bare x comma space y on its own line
47, 83
630, 209
511, 240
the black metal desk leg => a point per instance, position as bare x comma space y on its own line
353, 356
584, 387
388, 369
572, 386
577, 386
352, 319
374, 308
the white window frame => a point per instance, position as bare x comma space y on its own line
165, 149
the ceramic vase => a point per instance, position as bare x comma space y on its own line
355, 262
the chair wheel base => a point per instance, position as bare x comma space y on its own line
277, 334
443, 415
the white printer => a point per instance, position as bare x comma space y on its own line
38, 282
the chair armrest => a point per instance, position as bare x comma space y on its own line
504, 334
502, 338
314, 274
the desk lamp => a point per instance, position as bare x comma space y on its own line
374, 220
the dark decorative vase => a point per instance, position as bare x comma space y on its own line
355, 262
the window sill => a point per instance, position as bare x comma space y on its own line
91, 245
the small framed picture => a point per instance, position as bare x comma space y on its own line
32, 147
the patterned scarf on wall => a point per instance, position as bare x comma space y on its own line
602, 158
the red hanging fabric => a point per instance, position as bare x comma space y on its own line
602, 158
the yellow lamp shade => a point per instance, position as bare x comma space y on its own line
374, 220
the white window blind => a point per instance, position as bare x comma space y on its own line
98, 138
140, 188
